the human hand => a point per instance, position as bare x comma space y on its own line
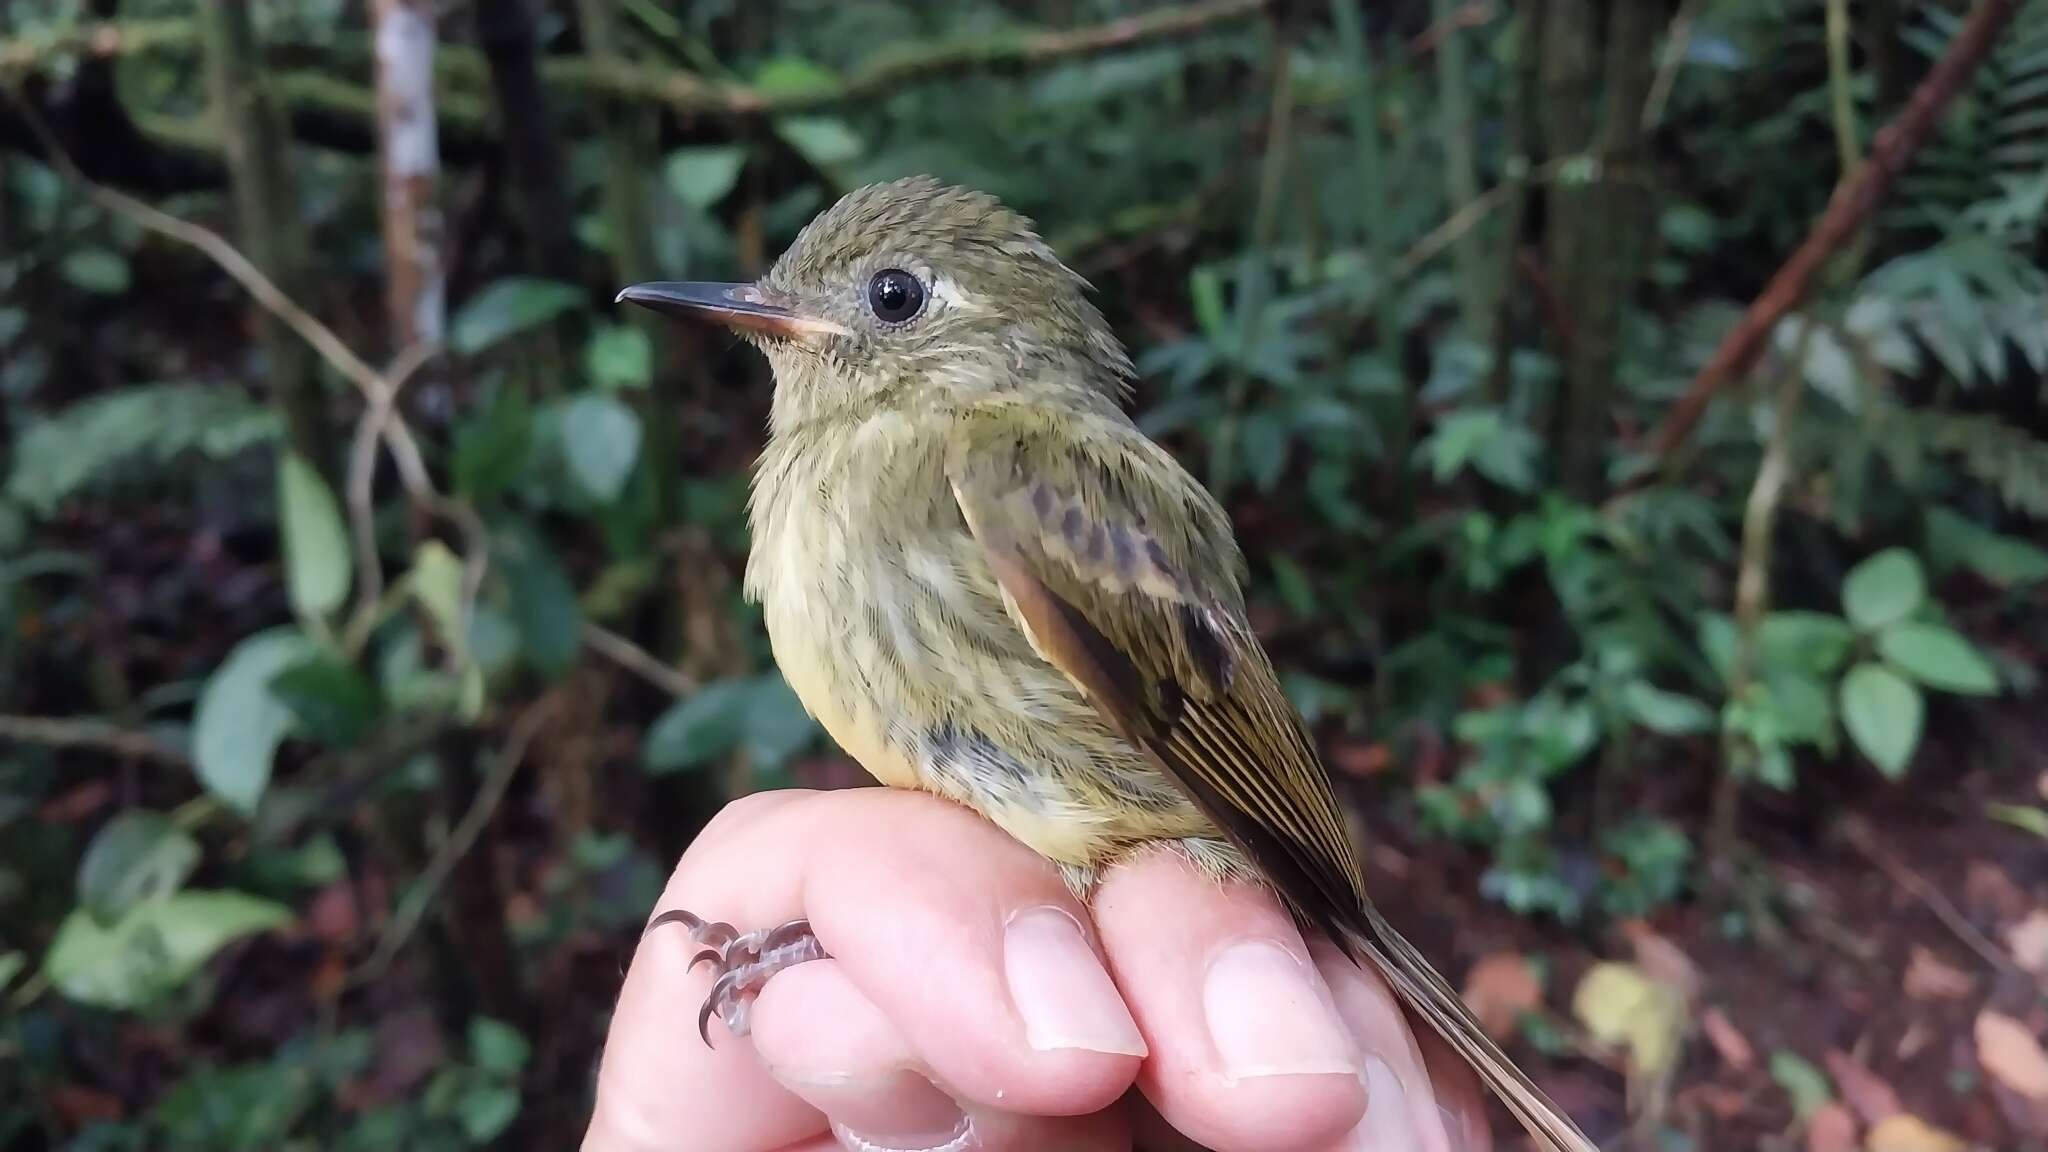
969, 1002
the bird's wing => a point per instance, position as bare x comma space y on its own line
1120, 570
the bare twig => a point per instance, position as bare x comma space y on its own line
1944, 909
1855, 198
1668, 68
684, 92
97, 735
461, 838
637, 660
1753, 592
379, 389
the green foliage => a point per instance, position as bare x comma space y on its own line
150, 426
1553, 663
759, 715
151, 948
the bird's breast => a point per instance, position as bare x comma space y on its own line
889, 625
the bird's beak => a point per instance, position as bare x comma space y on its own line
739, 306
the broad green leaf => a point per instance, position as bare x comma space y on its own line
508, 307
1718, 642
97, 270
698, 728
1883, 714
486, 1110
2006, 561
331, 703
437, 585
316, 550
777, 726
153, 949
1886, 587
137, 856
825, 141
701, 177
619, 356
1805, 1083
1667, 712
497, 1047
11, 965
1811, 642
790, 75
601, 441
239, 722
1264, 437
542, 601
494, 447
155, 424
1938, 657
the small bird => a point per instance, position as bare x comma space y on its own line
987, 583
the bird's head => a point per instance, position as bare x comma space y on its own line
908, 286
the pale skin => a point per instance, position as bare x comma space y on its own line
967, 986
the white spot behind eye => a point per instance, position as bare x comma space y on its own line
945, 291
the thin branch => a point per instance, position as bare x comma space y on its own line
637, 660
1854, 200
379, 389
688, 93
96, 735
413, 908
1860, 838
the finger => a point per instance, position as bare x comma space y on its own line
1458, 1095
1248, 1049
828, 1044
1401, 1112
659, 1089
971, 946
968, 943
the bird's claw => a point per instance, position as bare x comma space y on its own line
743, 962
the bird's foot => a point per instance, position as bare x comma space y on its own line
743, 960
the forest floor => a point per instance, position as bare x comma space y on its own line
1890, 935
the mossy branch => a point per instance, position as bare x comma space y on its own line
461, 71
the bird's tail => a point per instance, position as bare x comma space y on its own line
1426, 995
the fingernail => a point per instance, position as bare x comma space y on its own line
907, 1114
1061, 990
1269, 1015
1387, 1126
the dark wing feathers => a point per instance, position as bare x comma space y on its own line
1122, 574
1085, 548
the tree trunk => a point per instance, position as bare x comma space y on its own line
1597, 65
409, 166
268, 230
527, 125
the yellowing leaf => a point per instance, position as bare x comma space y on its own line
1619, 1005
1909, 1133
2012, 1055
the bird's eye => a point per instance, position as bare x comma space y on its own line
895, 295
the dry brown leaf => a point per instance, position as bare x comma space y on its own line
2011, 1054
1862, 1089
1909, 1133
1729, 1043
1500, 988
1661, 960
1987, 889
1831, 1129
2028, 940
1929, 977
